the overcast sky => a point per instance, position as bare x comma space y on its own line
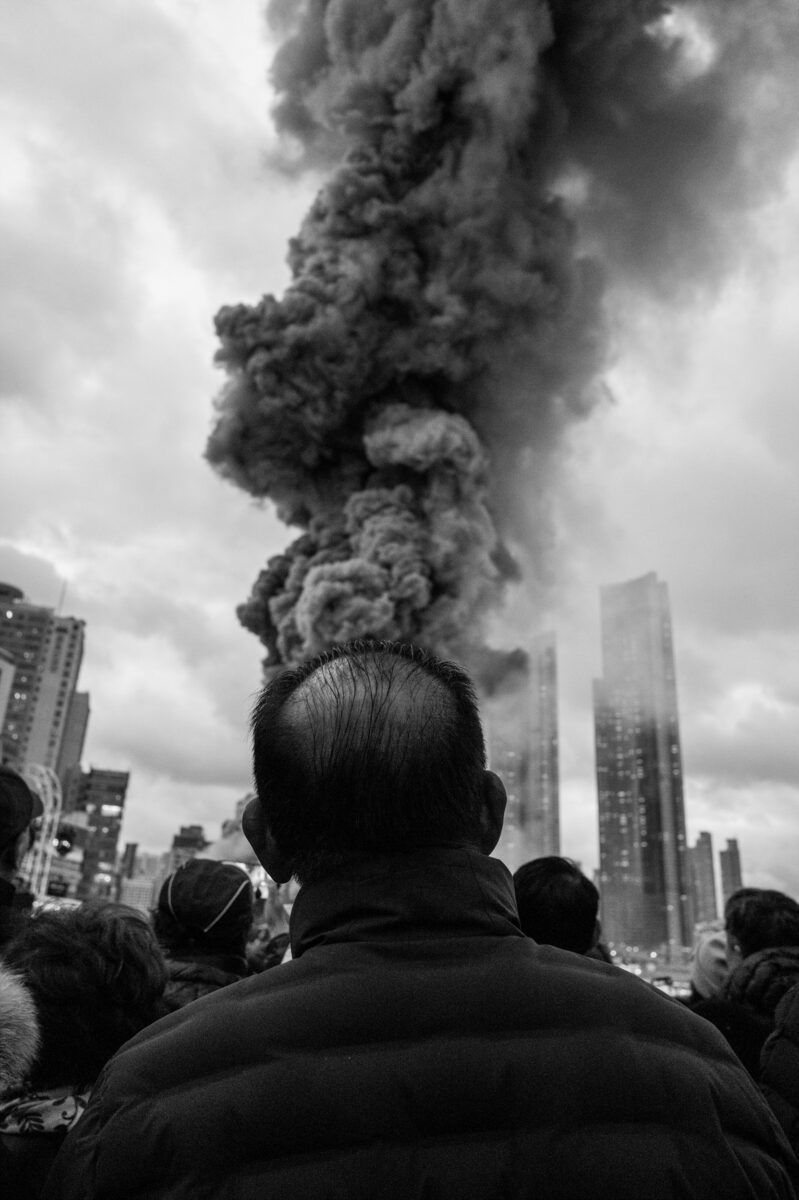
136, 197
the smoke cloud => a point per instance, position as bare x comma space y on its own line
491, 164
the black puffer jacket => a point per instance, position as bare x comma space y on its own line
418, 1045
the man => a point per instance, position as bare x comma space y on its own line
762, 929
202, 921
558, 905
19, 809
418, 1044
758, 919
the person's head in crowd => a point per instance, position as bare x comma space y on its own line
737, 899
19, 809
558, 905
372, 747
19, 1031
204, 908
758, 919
97, 977
709, 962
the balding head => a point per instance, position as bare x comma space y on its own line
369, 748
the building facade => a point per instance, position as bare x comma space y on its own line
74, 736
731, 876
140, 891
643, 860
100, 794
522, 744
7, 672
188, 843
703, 879
542, 816
46, 650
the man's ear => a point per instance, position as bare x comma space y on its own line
258, 834
494, 800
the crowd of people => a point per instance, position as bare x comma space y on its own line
424, 1025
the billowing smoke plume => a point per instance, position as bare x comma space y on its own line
444, 323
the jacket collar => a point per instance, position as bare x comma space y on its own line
439, 891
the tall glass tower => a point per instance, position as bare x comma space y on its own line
644, 877
543, 814
522, 743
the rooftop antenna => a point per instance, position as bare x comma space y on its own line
61, 598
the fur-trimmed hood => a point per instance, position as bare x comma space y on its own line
19, 1030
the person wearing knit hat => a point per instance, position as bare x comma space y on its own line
202, 920
708, 962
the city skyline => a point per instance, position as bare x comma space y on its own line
144, 186
522, 739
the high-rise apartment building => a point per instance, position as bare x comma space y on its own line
7, 671
703, 879
508, 758
46, 650
522, 743
542, 816
100, 794
643, 861
74, 736
187, 844
731, 877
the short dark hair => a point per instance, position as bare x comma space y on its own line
557, 904
97, 976
736, 899
760, 919
369, 747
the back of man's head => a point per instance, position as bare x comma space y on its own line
368, 748
557, 904
759, 919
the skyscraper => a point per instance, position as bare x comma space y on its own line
542, 817
100, 794
522, 742
703, 879
643, 861
731, 878
74, 736
7, 671
46, 650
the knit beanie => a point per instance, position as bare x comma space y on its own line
709, 962
206, 896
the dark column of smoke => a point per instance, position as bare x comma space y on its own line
442, 326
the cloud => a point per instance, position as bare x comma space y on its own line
691, 471
136, 177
